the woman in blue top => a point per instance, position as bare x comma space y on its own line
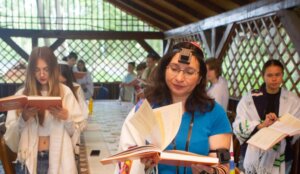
181, 77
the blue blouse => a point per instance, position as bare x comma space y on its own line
205, 125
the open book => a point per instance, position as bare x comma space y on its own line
20, 101
159, 127
265, 138
170, 157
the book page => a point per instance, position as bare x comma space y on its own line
145, 122
160, 125
133, 154
266, 138
171, 118
287, 124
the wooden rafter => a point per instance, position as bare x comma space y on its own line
164, 12
221, 47
175, 9
241, 2
217, 9
57, 43
15, 46
104, 35
141, 14
259, 8
187, 7
146, 46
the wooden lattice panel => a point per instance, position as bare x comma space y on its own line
107, 59
12, 65
252, 44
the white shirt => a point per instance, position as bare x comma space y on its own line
219, 91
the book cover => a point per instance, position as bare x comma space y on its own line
170, 157
265, 138
20, 101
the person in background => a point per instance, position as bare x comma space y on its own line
140, 68
86, 82
261, 108
65, 59
66, 77
126, 87
181, 77
151, 61
72, 59
138, 85
44, 136
218, 88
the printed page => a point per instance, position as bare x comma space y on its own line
145, 122
132, 154
289, 129
158, 126
171, 118
265, 138
287, 124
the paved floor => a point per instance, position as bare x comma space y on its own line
103, 132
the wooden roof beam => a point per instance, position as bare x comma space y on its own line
241, 2
256, 9
146, 15
187, 8
15, 46
166, 13
172, 6
104, 35
211, 6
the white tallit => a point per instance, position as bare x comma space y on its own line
256, 160
61, 152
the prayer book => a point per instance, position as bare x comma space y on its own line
20, 101
79, 74
169, 157
267, 137
158, 127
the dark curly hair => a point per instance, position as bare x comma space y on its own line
158, 92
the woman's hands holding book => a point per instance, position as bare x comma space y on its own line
59, 112
202, 169
150, 162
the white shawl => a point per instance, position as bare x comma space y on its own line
61, 153
256, 160
61, 156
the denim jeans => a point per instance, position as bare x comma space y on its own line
42, 164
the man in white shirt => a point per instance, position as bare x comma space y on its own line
218, 88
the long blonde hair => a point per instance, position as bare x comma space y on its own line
32, 86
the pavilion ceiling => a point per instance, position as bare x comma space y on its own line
170, 14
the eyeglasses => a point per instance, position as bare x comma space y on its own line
187, 72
